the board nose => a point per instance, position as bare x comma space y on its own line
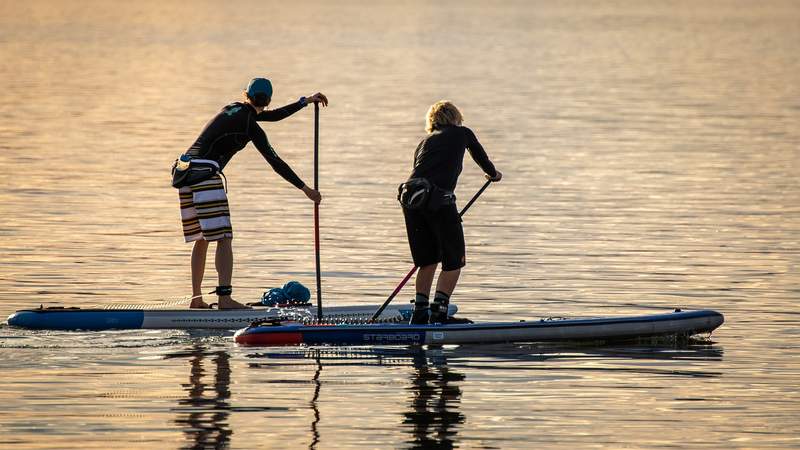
20, 319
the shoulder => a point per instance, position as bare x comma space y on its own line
454, 130
468, 135
465, 130
237, 109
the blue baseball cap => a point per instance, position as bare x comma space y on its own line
259, 86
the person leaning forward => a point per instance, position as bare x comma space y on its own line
203, 200
432, 221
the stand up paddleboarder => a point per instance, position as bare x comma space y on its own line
432, 220
203, 200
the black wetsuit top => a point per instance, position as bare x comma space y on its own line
439, 157
234, 127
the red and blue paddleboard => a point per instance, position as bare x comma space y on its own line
684, 323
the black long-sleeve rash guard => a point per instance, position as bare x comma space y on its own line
235, 126
440, 155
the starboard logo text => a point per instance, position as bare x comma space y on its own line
398, 337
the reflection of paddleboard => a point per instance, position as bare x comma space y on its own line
608, 328
106, 319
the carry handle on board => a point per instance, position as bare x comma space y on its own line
414, 269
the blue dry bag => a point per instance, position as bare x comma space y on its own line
292, 293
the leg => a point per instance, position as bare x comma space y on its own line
198, 270
224, 263
192, 232
205, 215
453, 259
447, 281
444, 288
424, 253
425, 279
421, 313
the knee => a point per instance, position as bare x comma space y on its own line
224, 246
428, 268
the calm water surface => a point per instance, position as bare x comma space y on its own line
650, 153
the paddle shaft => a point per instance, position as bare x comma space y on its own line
316, 209
414, 269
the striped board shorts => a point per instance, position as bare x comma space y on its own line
204, 211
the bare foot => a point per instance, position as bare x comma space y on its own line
198, 302
226, 302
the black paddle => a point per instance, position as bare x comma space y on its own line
414, 269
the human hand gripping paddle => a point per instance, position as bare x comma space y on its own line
411, 272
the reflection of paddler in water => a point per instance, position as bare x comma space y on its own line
433, 417
203, 417
434, 411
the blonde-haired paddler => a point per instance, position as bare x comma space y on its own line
434, 227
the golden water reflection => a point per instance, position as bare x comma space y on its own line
650, 157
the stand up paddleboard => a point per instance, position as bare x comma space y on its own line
685, 323
60, 318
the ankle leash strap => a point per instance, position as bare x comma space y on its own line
222, 290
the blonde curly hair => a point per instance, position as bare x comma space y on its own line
440, 114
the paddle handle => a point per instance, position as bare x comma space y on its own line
316, 210
414, 269
474, 197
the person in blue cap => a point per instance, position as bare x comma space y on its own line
203, 200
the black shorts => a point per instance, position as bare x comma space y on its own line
436, 237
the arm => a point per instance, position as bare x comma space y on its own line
416, 154
275, 115
259, 139
479, 155
286, 111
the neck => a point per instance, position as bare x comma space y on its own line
257, 108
